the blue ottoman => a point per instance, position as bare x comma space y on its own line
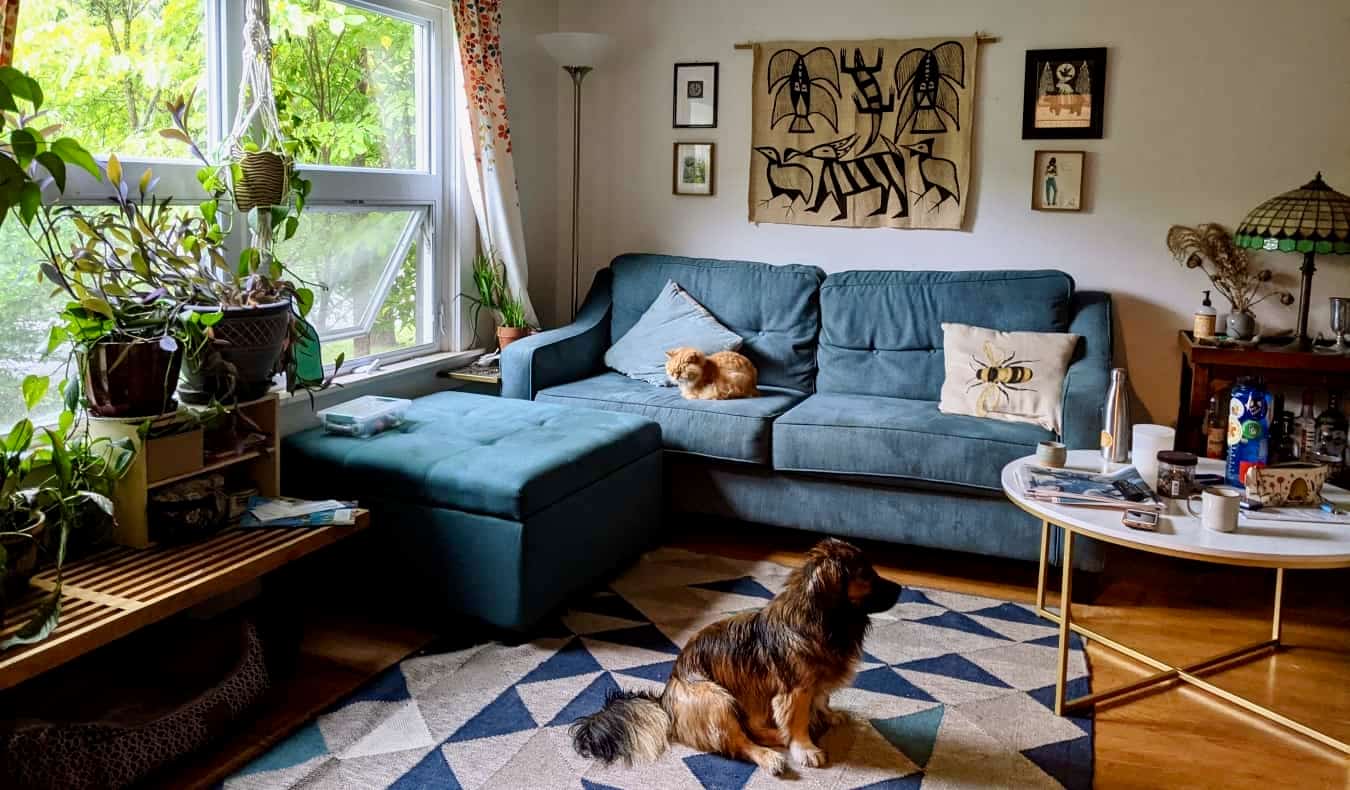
498, 508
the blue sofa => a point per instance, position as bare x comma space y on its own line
847, 438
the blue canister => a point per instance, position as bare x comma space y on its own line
1249, 415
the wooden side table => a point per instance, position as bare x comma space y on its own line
1208, 370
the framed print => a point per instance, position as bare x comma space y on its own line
1057, 181
695, 96
1065, 94
694, 171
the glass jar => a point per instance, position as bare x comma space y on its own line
1176, 474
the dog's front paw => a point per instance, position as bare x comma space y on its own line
772, 761
808, 756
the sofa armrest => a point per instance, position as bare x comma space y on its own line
569, 353
1090, 372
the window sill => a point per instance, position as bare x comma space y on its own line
405, 378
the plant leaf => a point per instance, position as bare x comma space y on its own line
96, 305
40, 626
304, 299
20, 436
34, 389
114, 169
72, 153
30, 200
209, 319
24, 145
54, 166
105, 504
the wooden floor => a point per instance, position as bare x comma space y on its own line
1178, 611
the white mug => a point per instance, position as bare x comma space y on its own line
1219, 507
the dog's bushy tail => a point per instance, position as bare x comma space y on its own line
632, 725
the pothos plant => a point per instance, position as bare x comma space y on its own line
29, 158
260, 277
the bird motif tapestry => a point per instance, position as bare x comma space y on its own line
862, 134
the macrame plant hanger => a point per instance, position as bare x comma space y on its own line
263, 176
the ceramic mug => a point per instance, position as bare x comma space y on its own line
1052, 454
1219, 507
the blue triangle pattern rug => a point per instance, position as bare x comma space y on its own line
954, 691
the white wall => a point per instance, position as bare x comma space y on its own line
1212, 106
532, 106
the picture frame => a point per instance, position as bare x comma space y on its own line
1064, 96
1057, 180
694, 102
694, 169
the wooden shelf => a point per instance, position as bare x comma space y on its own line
216, 466
119, 590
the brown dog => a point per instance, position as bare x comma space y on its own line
758, 681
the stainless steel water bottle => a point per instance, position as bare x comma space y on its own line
1116, 425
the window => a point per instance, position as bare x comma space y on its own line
359, 81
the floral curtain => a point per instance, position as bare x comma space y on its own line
9, 21
485, 140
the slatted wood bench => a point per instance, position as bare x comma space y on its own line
119, 590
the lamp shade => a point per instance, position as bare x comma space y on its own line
577, 49
1313, 218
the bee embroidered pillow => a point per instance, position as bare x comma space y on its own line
1011, 376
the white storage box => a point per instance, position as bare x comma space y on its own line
365, 416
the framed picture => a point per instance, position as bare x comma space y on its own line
695, 96
1057, 181
694, 169
1065, 94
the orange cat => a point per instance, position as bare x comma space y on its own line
721, 376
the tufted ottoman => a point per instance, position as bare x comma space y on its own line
497, 508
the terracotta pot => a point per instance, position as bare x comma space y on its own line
506, 335
248, 345
23, 554
134, 379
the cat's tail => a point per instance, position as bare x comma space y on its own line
632, 725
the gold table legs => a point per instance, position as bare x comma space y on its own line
1165, 674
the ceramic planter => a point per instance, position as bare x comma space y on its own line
135, 379
23, 554
248, 342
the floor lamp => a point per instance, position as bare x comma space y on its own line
578, 54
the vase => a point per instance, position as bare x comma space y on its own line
135, 379
1241, 326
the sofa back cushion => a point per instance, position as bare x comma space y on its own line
881, 331
776, 309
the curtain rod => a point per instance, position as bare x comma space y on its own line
980, 37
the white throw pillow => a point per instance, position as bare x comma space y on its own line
1011, 376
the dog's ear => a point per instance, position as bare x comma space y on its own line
826, 578
670, 352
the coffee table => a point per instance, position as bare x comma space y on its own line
1278, 545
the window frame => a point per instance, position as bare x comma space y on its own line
449, 236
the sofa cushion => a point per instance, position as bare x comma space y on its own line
478, 453
774, 308
674, 320
896, 437
734, 430
881, 331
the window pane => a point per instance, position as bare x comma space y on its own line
108, 66
27, 312
350, 76
370, 261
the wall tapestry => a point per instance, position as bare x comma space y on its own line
862, 134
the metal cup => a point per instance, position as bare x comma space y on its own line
1340, 323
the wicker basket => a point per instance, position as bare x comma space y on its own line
264, 180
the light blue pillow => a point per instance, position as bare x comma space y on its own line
674, 320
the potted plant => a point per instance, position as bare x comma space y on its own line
130, 275
245, 322
1210, 248
28, 148
494, 294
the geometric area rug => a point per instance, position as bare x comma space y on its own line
955, 691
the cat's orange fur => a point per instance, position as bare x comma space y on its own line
721, 376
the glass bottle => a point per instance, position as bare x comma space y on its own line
1284, 441
1306, 427
1331, 424
1216, 428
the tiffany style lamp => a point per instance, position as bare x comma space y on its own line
1313, 219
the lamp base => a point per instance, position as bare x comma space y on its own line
1298, 344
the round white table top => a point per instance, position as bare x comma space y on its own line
1267, 544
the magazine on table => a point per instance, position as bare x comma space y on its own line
1123, 489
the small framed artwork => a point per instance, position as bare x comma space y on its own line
695, 171
1057, 181
1065, 94
695, 96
